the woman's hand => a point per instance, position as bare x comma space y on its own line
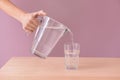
30, 22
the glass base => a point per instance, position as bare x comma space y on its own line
71, 68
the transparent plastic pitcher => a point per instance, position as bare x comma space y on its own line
47, 35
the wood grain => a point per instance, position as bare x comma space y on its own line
53, 68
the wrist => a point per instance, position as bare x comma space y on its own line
22, 16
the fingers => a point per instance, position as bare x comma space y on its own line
30, 22
39, 13
35, 22
30, 27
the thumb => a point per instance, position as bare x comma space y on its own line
39, 13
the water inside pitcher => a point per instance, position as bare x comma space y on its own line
47, 35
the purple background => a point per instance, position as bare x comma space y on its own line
95, 24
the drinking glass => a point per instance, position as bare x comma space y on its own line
71, 51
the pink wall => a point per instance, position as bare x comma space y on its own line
95, 24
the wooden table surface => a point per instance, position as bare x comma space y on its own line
53, 68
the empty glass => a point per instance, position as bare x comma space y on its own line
71, 51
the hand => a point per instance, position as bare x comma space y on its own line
30, 22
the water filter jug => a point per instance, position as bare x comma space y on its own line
47, 35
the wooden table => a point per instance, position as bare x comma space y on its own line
34, 68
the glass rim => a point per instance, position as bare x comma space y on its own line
69, 43
72, 45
